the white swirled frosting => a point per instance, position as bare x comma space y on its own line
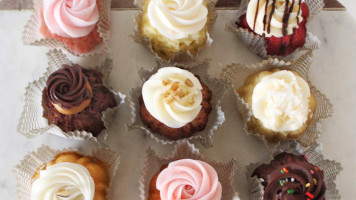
176, 19
61, 180
173, 96
281, 101
276, 25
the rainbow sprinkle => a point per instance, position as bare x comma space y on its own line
315, 181
311, 172
282, 171
307, 185
290, 191
285, 170
281, 182
316, 168
310, 195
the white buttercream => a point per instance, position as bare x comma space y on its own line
177, 19
277, 17
168, 106
281, 101
72, 177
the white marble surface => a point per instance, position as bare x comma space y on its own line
333, 72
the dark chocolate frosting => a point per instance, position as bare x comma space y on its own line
291, 177
68, 87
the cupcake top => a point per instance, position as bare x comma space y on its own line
177, 19
70, 18
68, 89
291, 177
173, 96
64, 181
275, 18
189, 179
281, 101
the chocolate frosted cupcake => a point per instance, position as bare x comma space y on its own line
290, 177
74, 99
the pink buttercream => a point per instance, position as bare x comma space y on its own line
70, 18
189, 179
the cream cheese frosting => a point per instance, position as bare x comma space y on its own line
177, 19
281, 101
271, 23
70, 18
173, 96
189, 179
64, 180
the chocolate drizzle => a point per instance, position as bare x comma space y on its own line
256, 14
291, 177
68, 87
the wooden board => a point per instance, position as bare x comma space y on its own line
122, 4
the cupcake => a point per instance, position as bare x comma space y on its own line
66, 174
70, 101
175, 103
276, 100
291, 176
175, 26
281, 102
277, 27
80, 27
186, 174
74, 99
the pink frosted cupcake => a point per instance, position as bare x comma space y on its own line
73, 22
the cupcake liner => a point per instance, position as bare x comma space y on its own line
32, 36
35, 160
314, 155
235, 74
32, 123
257, 43
216, 117
153, 163
182, 55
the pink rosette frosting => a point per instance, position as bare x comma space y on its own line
189, 179
70, 18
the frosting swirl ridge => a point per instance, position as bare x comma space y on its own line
70, 18
177, 19
189, 179
68, 87
64, 181
275, 18
173, 96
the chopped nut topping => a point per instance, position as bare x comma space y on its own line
191, 100
166, 94
169, 100
175, 86
166, 81
188, 82
180, 93
64, 193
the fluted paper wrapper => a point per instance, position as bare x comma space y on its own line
32, 36
182, 55
235, 74
185, 150
32, 123
36, 160
314, 155
257, 43
216, 117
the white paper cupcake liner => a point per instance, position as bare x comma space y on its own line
32, 36
180, 56
35, 160
32, 123
257, 43
314, 155
235, 74
153, 163
216, 117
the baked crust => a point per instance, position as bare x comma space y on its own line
90, 118
153, 192
255, 125
198, 124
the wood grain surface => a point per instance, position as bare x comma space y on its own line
122, 4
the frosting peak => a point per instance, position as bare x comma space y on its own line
281, 101
70, 18
64, 181
275, 18
177, 19
189, 179
173, 96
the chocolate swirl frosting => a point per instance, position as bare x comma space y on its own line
291, 177
68, 87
